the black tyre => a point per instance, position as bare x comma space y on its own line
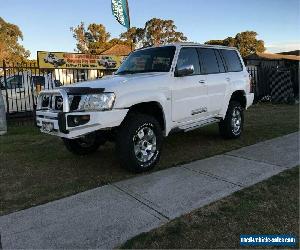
138, 143
232, 126
85, 145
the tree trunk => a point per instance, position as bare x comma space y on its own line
3, 126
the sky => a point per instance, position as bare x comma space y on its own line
46, 24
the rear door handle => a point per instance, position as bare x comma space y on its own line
202, 82
227, 79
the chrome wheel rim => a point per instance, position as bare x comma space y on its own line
236, 121
144, 144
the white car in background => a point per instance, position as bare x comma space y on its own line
20, 90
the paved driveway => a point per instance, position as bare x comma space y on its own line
107, 216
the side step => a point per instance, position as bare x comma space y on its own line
198, 124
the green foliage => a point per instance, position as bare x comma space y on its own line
246, 42
133, 36
155, 32
10, 48
159, 31
93, 39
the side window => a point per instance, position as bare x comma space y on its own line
209, 63
14, 82
220, 61
232, 60
38, 80
189, 56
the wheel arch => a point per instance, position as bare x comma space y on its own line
237, 95
152, 108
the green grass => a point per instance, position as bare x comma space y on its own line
269, 207
36, 168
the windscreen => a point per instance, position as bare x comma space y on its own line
148, 60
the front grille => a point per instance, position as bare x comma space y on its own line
55, 103
75, 102
58, 103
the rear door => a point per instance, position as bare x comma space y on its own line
189, 93
216, 78
236, 73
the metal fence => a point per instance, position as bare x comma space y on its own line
20, 84
261, 76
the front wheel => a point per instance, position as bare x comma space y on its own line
138, 143
232, 126
85, 145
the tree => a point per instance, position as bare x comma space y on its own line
246, 42
92, 40
95, 38
158, 31
10, 48
134, 36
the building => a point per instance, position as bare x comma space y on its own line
118, 50
272, 60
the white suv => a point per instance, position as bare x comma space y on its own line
156, 91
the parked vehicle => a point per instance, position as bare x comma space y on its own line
54, 60
155, 92
20, 89
107, 62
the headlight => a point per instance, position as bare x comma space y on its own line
98, 102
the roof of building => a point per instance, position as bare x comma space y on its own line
293, 52
270, 56
118, 50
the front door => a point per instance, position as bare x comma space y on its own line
189, 93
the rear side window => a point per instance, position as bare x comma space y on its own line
209, 63
232, 60
189, 56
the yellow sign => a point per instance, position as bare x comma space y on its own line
62, 60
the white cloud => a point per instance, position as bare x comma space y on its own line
282, 47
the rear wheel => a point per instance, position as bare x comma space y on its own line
232, 125
85, 145
138, 143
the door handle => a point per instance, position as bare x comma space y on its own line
227, 79
202, 82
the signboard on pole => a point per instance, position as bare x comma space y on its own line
64, 60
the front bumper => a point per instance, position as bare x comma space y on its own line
98, 120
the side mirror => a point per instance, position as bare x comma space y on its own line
185, 70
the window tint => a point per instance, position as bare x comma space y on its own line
209, 64
148, 60
189, 56
220, 61
14, 82
232, 60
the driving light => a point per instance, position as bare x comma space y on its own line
97, 102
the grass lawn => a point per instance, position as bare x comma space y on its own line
269, 207
35, 168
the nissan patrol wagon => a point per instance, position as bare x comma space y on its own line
155, 92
